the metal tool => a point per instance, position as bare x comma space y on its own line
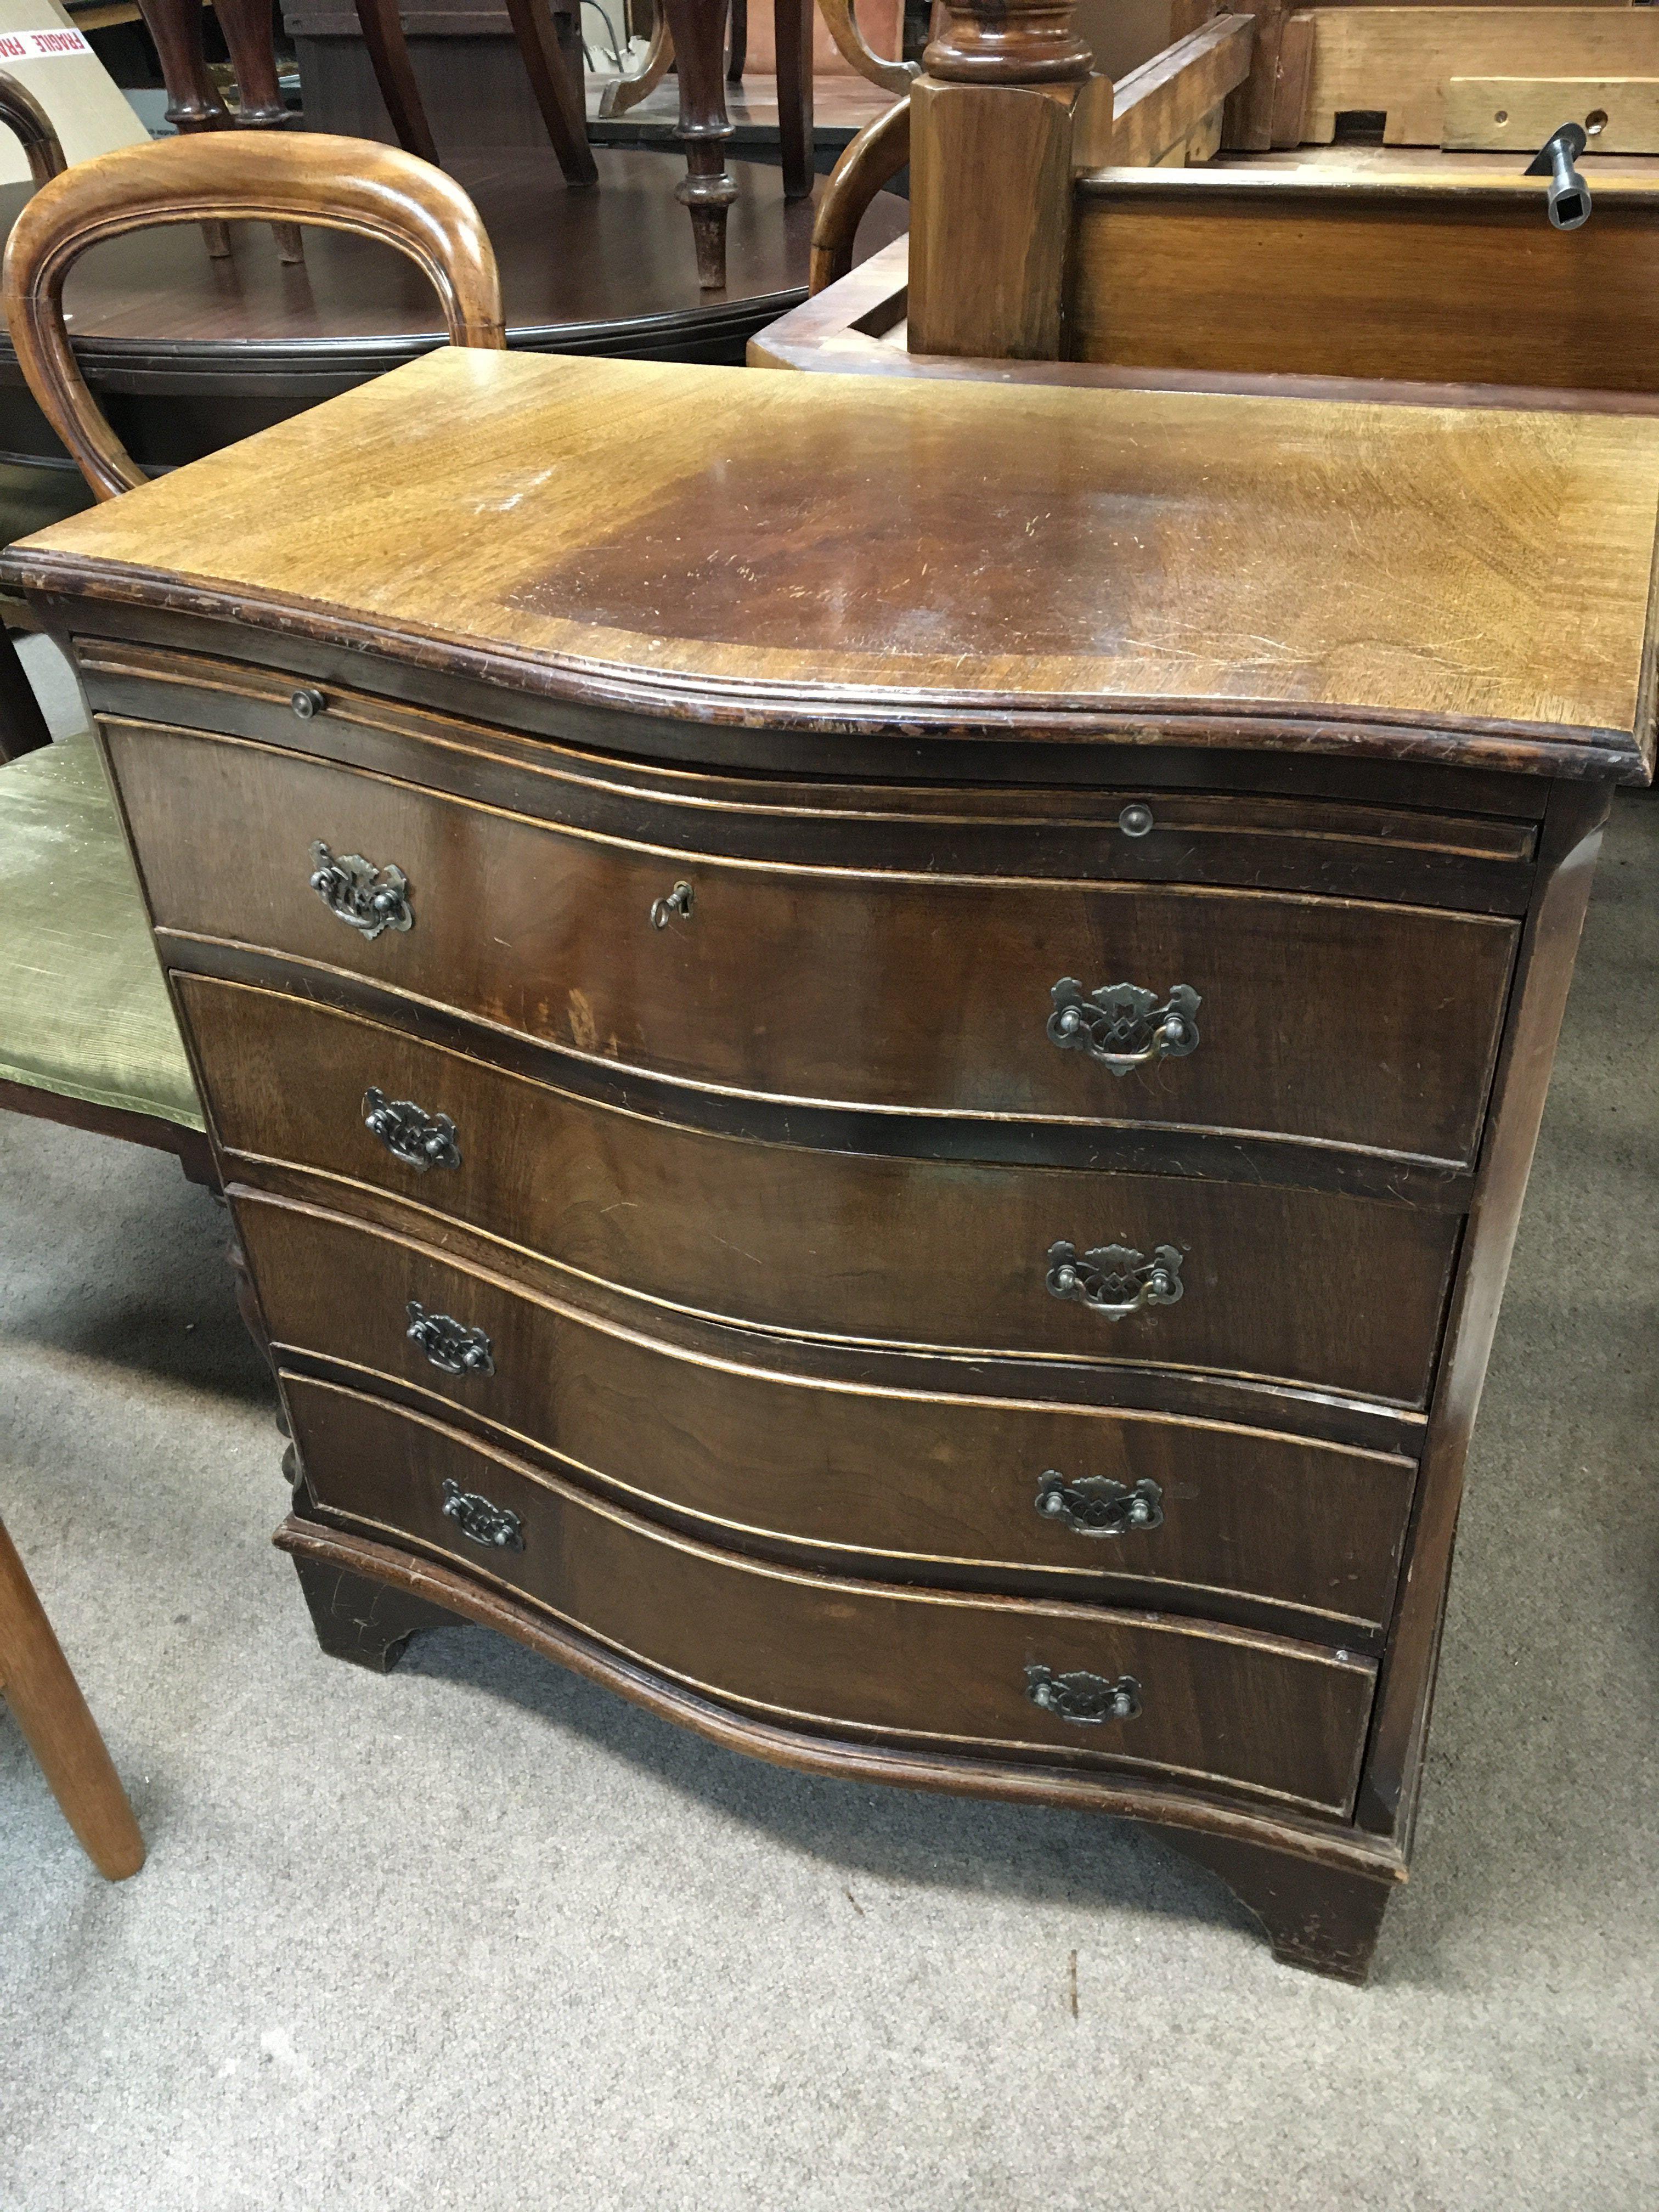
1569, 196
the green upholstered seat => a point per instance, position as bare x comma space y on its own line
83, 1011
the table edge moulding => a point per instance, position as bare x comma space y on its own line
668, 975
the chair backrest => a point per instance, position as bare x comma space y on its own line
337, 183
22, 113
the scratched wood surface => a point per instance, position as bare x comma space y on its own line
700, 540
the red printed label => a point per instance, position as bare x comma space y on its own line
28, 46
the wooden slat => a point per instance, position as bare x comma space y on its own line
1400, 61
1296, 51
1158, 107
1425, 279
1501, 114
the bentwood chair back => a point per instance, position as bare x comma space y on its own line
22, 726
339, 184
87, 1030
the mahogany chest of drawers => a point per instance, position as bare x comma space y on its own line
875, 1049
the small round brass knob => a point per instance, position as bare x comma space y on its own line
308, 703
1135, 820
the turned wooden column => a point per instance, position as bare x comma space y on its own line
991, 129
193, 101
708, 189
249, 40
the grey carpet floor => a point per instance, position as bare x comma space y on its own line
479, 1934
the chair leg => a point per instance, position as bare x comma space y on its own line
22, 726
193, 101
47, 1703
706, 190
736, 44
246, 27
394, 75
793, 21
558, 94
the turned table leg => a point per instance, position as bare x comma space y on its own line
193, 101
366, 1622
246, 24
1325, 1918
47, 1706
707, 190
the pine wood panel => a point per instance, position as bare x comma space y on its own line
1418, 278
1517, 114
1400, 60
1283, 1719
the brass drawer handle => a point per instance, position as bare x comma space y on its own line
449, 1344
1086, 1698
481, 1521
678, 901
1095, 1505
1114, 1281
370, 899
421, 1140
1121, 1025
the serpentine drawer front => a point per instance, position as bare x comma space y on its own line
1163, 1003
1276, 1719
925, 1252
1091, 1500
875, 1057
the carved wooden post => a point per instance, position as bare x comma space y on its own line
251, 46
990, 162
193, 101
708, 189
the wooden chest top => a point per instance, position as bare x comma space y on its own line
830, 552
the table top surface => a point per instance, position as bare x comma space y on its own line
830, 552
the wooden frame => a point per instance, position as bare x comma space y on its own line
1395, 268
